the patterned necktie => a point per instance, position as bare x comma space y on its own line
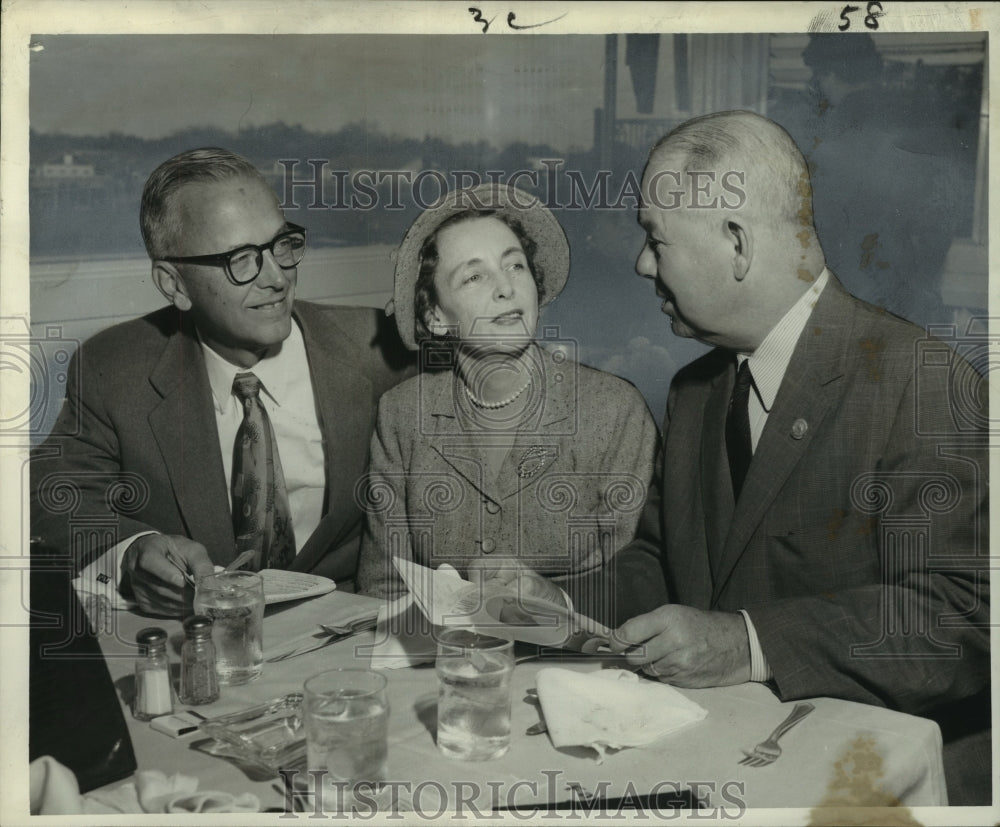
261, 517
738, 443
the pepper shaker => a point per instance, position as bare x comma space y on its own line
199, 682
153, 693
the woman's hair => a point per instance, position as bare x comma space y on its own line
425, 296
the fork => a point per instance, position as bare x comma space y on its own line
767, 751
361, 624
334, 633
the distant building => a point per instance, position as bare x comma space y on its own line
68, 168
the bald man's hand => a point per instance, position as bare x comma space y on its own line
687, 647
156, 584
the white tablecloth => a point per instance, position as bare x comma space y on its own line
842, 754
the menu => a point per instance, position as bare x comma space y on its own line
445, 599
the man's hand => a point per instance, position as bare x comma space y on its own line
687, 647
157, 585
523, 581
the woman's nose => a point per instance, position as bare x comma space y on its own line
503, 285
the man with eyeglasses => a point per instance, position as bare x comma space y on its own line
235, 419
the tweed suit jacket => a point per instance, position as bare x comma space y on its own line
568, 493
859, 544
136, 444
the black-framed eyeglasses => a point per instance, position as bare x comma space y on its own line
243, 264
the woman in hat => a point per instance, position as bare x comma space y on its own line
503, 446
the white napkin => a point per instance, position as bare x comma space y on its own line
154, 791
610, 709
54, 791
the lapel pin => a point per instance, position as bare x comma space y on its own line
799, 428
534, 460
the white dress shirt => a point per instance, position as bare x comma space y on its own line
768, 364
287, 396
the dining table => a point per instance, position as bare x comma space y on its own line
843, 754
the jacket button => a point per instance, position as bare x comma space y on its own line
488, 545
492, 507
799, 428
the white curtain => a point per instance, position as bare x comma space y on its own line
728, 72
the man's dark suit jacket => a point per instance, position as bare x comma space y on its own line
136, 445
859, 544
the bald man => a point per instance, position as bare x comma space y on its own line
818, 515
824, 529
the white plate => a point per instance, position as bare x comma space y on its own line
281, 586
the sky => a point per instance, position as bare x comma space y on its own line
458, 87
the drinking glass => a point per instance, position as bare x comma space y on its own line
474, 673
234, 600
347, 726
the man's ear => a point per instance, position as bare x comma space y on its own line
739, 236
169, 282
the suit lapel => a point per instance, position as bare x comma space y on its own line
344, 407
537, 447
339, 390
183, 425
716, 486
809, 389
697, 494
454, 442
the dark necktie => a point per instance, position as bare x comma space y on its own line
738, 444
261, 517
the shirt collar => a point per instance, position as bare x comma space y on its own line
276, 372
769, 361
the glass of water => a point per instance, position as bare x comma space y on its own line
235, 602
347, 726
474, 673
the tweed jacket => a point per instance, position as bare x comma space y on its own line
568, 493
859, 545
136, 445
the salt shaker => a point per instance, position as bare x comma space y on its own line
153, 693
199, 683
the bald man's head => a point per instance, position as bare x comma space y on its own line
754, 155
730, 243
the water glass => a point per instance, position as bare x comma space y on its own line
347, 726
234, 600
474, 672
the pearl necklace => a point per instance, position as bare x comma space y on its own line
503, 403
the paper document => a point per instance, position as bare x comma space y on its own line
447, 600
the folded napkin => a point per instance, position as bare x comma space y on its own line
156, 792
285, 631
54, 791
610, 709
